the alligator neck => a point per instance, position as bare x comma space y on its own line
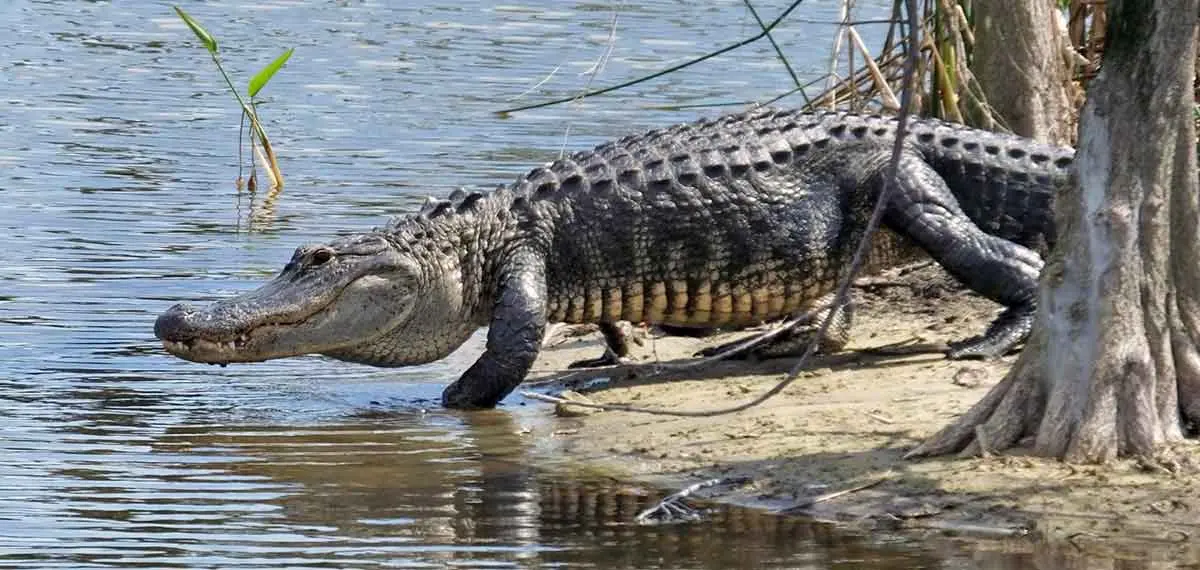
462, 244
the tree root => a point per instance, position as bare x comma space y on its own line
999, 420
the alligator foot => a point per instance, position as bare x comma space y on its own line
609, 358
1004, 335
616, 346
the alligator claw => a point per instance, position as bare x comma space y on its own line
982, 348
1004, 336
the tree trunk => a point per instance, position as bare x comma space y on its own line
1018, 62
1113, 366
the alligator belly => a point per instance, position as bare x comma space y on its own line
700, 303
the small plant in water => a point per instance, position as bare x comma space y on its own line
260, 79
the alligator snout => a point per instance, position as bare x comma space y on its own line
201, 335
174, 324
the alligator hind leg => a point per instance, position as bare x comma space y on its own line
616, 348
795, 341
923, 209
617, 337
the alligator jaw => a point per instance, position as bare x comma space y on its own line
184, 334
216, 351
200, 350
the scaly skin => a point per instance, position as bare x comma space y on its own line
720, 223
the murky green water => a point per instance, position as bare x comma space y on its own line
118, 151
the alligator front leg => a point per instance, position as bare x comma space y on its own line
514, 338
924, 209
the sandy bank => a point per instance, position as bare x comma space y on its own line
849, 420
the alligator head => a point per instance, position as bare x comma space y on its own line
358, 298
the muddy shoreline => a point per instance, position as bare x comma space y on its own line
848, 421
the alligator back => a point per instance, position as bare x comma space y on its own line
750, 217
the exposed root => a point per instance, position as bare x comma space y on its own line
961, 433
1119, 418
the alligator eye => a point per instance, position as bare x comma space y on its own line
321, 256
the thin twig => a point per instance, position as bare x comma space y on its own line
538, 84
740, 348
834, 495
658, 74
847, 22
749, 343
755, 104
779, 52
594, 71
908, 347
600, 63
853, 74
959, 529
241, 129
835, 94
556, 400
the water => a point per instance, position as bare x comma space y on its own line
118, 155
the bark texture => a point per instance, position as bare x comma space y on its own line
1018, 62
1113, 367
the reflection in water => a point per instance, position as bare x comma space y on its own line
416, 488
259, 212
402, 488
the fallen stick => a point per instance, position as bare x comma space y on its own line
673, 509
880, 418
977, 530
834, 495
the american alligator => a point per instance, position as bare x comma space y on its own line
720, 223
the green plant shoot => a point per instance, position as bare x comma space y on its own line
261, 78
206, 38
256, 84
